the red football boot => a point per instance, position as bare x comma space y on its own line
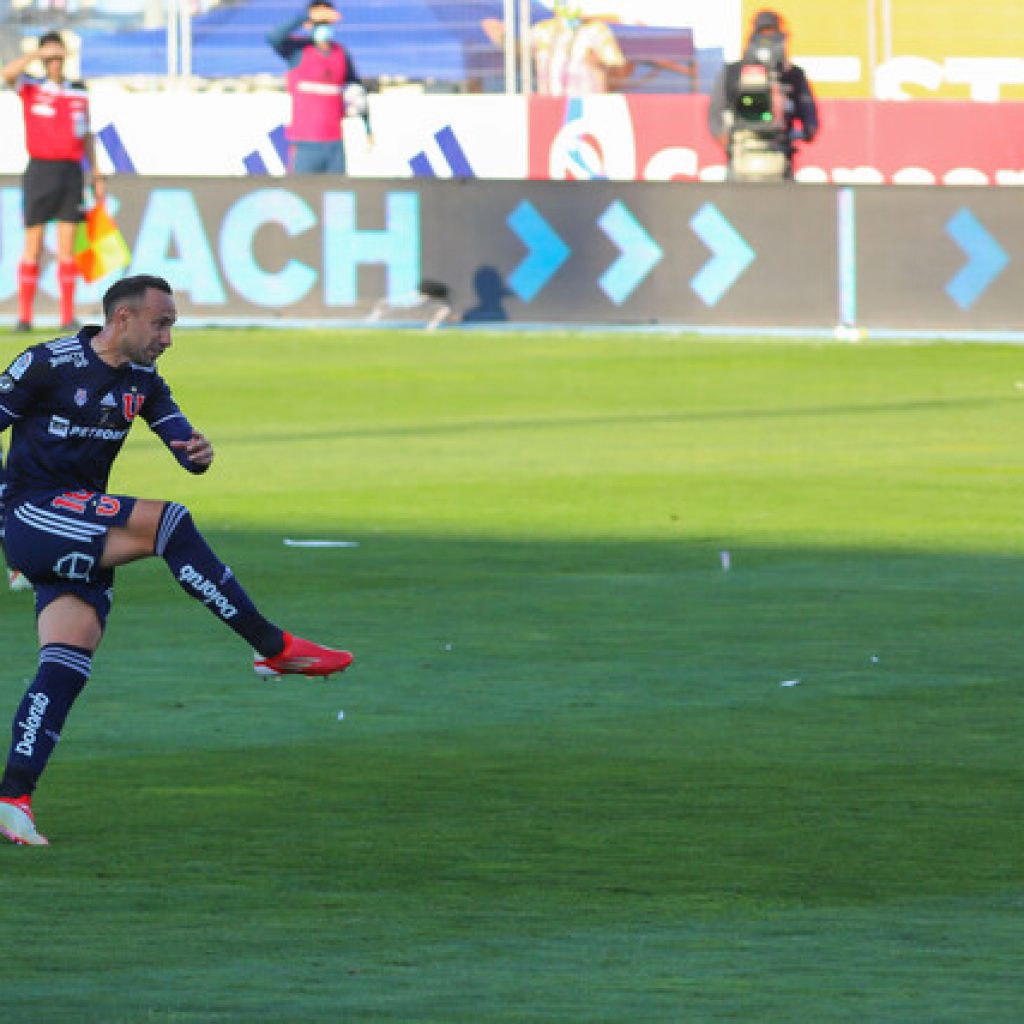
302, 658
17, 823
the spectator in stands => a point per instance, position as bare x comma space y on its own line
58, 137
321, 74
572, 55
767, 37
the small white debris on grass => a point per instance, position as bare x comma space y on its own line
291, 543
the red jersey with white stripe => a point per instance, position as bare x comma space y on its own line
316, 85
56, 118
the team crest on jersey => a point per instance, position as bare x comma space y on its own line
81, 397
131, 404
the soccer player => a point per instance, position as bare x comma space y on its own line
71, 403
58, 137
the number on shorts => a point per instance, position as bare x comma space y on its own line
78, 501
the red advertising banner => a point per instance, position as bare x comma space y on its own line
665, 138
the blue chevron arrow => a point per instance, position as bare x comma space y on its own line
730, 254
986, 258
545, 251
639, 253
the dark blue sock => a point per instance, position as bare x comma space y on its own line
205, 577
63, 671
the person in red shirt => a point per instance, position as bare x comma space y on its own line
324, 87
58, 138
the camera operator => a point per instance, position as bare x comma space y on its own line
757, 104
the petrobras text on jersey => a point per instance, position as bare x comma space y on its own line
61, 427
97, 433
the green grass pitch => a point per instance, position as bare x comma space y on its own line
569, 785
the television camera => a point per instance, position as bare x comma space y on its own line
760, 147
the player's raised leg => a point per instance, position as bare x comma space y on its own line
168, 530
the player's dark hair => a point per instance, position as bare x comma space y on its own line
131, 290
52, 37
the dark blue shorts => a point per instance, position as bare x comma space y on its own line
56, 539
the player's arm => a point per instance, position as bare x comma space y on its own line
13, 70
192, 450
197, 451
352, 78
95, 177
7, 415
281, 38
19, 384
606, 53
806, 108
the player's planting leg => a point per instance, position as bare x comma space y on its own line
202, 575
63, 672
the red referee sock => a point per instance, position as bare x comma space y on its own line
28, 278
66, 276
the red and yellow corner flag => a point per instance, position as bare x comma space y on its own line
100, 248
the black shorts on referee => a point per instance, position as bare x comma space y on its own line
52, 190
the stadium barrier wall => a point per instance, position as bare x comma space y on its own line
617, 138
318, 249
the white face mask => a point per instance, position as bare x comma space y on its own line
322, 34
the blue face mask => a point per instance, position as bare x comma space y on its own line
322, 33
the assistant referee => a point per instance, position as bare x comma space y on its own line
58, 139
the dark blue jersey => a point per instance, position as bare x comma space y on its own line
70, 413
